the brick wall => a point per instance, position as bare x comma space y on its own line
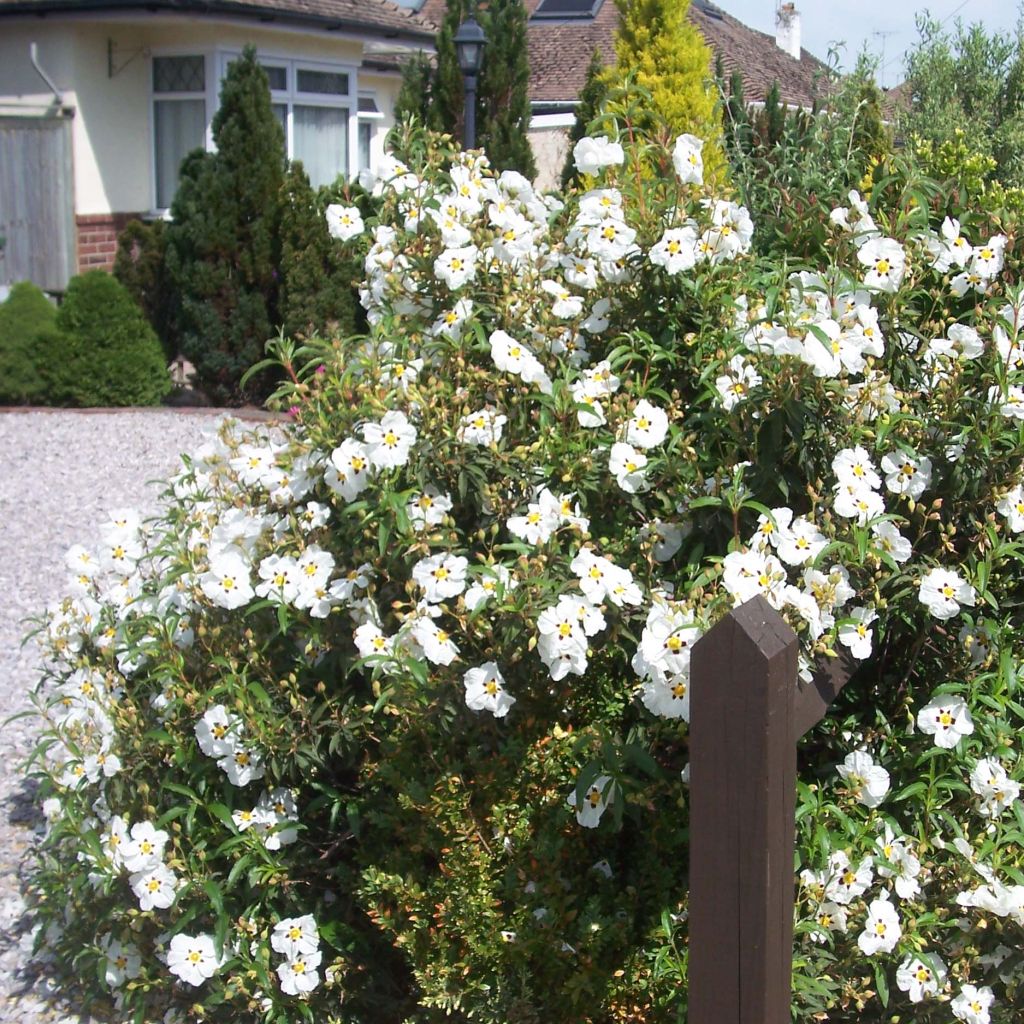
97, 239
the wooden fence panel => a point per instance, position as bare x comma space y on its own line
36, 201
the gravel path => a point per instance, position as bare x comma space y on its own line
59, 474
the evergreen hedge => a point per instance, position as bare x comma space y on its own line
23, 317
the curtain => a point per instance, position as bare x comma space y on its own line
179, 127
320, 141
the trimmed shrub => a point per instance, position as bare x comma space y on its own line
103, 351
140, 265
25, 314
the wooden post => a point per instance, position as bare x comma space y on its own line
746, 714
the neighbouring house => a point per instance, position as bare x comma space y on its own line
101, 99
562, 35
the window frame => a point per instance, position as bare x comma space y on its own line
216, 60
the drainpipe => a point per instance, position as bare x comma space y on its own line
33, 56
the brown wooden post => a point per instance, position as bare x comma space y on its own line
746, 714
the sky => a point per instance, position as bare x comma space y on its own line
872, 23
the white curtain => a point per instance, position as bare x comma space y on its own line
180, 127
320, 141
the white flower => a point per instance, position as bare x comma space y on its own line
388, 442
749, 573
218, 731
299, 974
845, 883
241, 766
146, 848
907, 474
942, 592
891, 541
192, 958
867, 781
227, 583
856, 635
626, 464
597, 797
648, 425
428, 508
280, 576
483, 589
441, 576
457, 266
435, 641
348, 473
676, 250
1011, 505
881, 929
886, 262
687, 159
946, 719
591, 155
831, 917
734, 385
921, 975
611, 239
293, 936
154, 887
972, 1004
123, 961
485, 690
344, 222
996, 789
601, 580
853, 467
483, 427
668, 697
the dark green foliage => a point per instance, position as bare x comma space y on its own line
317, 282
503, 110
102, 351
23, 317
435, 95
140, 265
590, 101
793, 167
414, 98
223, 247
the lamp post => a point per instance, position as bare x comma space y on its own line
469, 50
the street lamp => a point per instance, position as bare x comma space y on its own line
469, 51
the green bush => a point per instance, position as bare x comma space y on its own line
385, 719
103, 351
141, 266
25, 314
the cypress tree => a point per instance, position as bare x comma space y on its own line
503, 111
222, 245
658, 47
414, 96
591, 100
447, 99
317, 294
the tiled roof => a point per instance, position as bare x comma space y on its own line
361, 17
560, 52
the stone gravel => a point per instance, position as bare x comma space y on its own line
60, 473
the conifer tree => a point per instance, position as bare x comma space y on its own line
503, 110
447, 98
414, 97
317, 291
660, 49
591, 99
222, 244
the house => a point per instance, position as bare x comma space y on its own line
101, 99
562, 35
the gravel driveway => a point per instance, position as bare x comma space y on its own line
59, 473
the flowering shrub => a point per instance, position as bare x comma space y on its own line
385, 718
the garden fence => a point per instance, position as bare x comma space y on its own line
747, 712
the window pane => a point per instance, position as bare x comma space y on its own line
331, 83
179, 74
320, 137
365, 138
278, 77
179, 126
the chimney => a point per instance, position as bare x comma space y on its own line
787, 29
